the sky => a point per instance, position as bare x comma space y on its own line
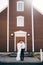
37, 4
3, 4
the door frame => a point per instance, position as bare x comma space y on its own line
20, 34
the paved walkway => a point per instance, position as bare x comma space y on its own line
13, 59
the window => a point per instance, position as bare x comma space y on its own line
20, 6
20, 21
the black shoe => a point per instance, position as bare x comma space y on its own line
22, 59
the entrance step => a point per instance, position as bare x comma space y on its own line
26, 54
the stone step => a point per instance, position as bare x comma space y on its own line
26, 54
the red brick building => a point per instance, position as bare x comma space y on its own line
19, 18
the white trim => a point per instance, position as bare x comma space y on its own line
20, 21
20, 34
41, 55
8, 27
32, 28
22, 2
14, 43
26, 41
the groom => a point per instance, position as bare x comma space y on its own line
22, 50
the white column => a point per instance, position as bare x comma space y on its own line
32, 28
8, 27
41, 55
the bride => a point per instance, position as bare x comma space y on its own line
18, 51
20, 46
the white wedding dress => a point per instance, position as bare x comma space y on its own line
19, 47
18, 51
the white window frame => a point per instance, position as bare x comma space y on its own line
18, 2
20, 21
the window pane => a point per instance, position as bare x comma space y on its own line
20, 21
20, 6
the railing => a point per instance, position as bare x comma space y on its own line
41, 55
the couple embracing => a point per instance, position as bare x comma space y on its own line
20, 50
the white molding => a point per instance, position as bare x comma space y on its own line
32, 28
26, 41
8, 27
20, 34
41, 55
20, 21
22, 6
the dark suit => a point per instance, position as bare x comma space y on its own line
22, 54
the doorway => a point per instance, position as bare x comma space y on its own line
20, 35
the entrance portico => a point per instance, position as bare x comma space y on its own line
20, 35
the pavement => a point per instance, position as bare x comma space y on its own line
5, 58
13, 59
